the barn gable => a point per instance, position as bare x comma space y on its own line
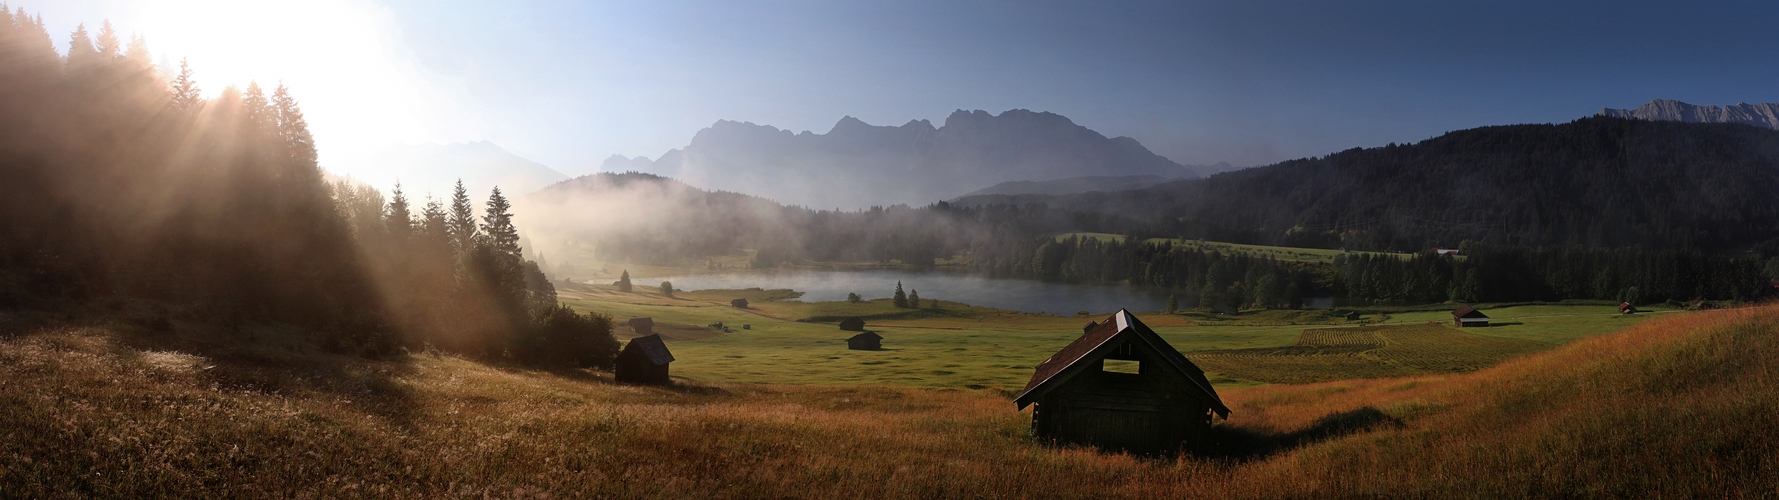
652, 348
1120, 332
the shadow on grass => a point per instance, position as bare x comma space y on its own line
1238, 444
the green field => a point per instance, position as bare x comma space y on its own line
958, 346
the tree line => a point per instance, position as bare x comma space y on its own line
124, 183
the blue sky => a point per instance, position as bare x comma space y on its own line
1247, 82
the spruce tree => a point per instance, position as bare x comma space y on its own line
398, 218
184, 90
624, 282
433, 223
914, 299
257, 111
81, 52
498, 225
901, 299
109, 46
292, 128
1173, 303
462, 224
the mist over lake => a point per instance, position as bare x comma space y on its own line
1010, 294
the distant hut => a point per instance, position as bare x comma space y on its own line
642, 326
868, 341
643, 361
1352, 315
739, 303
1626, 308
1468, 316
853, 324
1165, 403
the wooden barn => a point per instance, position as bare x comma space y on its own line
853, 324
1352, 316
868, 341
643, 361
1626, 308
642, 326
1121, 387
739, 303
1468, 316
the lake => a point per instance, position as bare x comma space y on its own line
1009, 294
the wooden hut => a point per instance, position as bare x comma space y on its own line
643, 361
1157, 405
739, 303
853, 324
868, 341
1626, 308
642, 326
1468, 316
1352, 315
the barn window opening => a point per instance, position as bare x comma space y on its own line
1122, 366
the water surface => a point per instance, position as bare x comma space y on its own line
1009, 294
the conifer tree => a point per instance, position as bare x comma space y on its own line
498, 225
109, 46
901, 299
914, 299
399, 219
292, 128
80, 48
1173, 303
434, 226
257, 111
462, 223
184, 90
138, 53
624, 282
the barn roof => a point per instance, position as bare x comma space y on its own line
1468, 312
653, 347
866, 336
1084, 348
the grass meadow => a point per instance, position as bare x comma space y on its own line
1682, 405
962, 347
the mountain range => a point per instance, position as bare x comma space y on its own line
432, 169
1759, 115
856, 165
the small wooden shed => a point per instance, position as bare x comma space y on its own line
1154, 401
1626, 308
1352, 315
642, 326
1469, 316
643, 361
739, 303
868, 341
853, 324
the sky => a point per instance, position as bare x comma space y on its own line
568, 83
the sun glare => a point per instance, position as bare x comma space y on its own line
343, 60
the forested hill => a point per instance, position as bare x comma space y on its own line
1595, 182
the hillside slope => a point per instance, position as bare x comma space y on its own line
1682, 406
1595, 182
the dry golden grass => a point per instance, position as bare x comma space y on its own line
1326, 354
1680, 406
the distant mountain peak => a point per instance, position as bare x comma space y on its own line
1759, 115
857, 164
